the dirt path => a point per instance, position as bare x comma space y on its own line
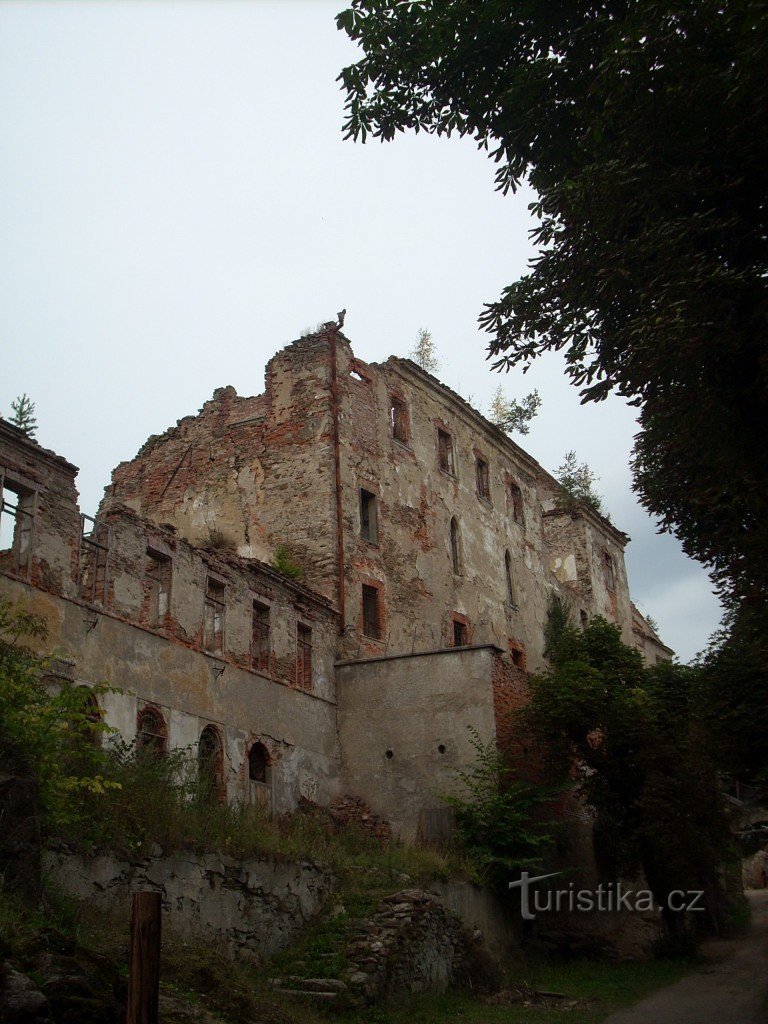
732, 989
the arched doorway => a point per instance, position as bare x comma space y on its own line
210, 764
259, 777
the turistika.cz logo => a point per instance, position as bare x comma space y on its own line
608, 898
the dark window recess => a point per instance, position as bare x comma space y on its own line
610, 571
260, 638
369, 521
303, 657
371, 617
508, 575
258, 763
215, 610
460, 634
455, 551
445, 452
398, 418
152, 733
157, 588
210, 764
516, 503
483, 483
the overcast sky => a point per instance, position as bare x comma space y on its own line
177, 203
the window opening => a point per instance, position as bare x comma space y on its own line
483, 484
215, 613
18, 506
445, 452
371, 622
460, 634
259, 777
158, 588
303, 657
152, 733
508, 575
455, 548
260, 638
93, 560
398, 416
369, 525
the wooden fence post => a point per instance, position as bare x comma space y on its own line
144, 959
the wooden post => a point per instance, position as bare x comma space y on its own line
144, 962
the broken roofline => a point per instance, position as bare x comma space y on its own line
502, 439
119, 511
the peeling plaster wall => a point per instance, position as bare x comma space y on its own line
186, 685
412, 707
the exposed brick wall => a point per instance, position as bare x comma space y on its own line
510, 693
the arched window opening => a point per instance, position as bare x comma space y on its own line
455, 547
93, 720
210, 764
152, 735
508, 574
259, 777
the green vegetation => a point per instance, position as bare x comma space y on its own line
283, 562
499, 820
512, 416
648, 763
577, 485
424, 352
53, 726
639, 127
24, 415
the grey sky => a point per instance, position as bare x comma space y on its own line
177, 203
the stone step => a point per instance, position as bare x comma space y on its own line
302, 993
309, 984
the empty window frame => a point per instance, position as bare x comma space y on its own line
483, 479
18, 506
445, 452
398, 419
516, 503
157, 588
609, 571
510, 585
455, 547
260, 638
210, 764
460, 633
93, 560
259, 777
303, 657
214, 615
369, 520
152, 733
371, 612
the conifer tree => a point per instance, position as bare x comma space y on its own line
24, 415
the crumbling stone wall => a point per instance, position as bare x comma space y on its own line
258, 469
253, 908
49, 481
281, 443
411, 944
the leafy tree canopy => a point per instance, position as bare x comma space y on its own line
642, 128
646, 759
577, 484
512, 416
424, 352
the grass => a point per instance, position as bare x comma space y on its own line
159, 803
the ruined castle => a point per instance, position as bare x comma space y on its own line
316, 590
